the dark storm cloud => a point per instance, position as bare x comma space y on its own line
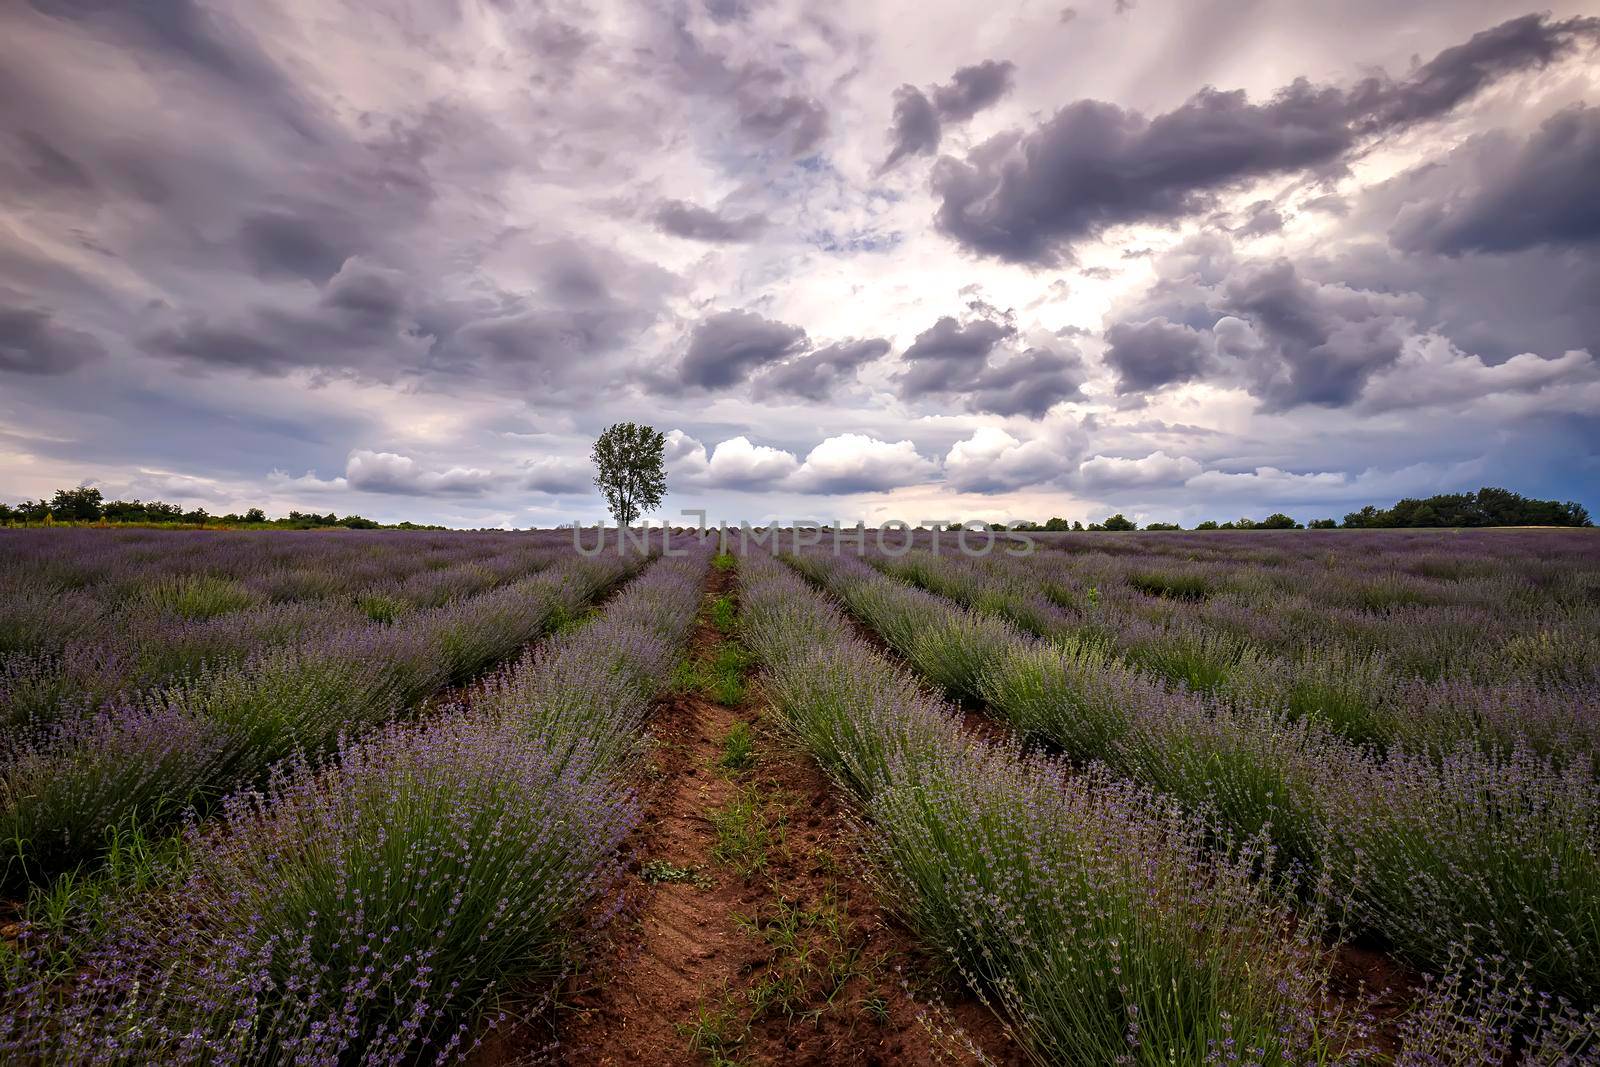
49, 167
586, 306
949, 356
772, 106
1321, 344
1026, 197
1286, 337
282, 245
353, 326
725, 349
683, 219
955, 360
179, 30
916, 128
1155, 353
1499, 238
1028, 384
1457, 73
973, 88
1516, 196
32, 342
182, 33
797, 123
724, 11
919, 117
370, 293
377, 323
1262, 218
816, 375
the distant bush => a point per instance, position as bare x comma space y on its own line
1489, 506
1278, 521
1322, 524
86, 504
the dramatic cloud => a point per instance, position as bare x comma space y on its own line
31, 342
972, 89
1155, 353
1303, 343
558, 477
919, 117
916, 129
816, 375
728, 347
1028, 384
432, 251
1515, 196
388, 472
951, 359
1027, 197
1262, 325
696, 223
949, 356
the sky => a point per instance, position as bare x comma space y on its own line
1181, 259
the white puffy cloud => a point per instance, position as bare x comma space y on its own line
992, 460
367, 471
1158, 468
856, 463
1436, 373
846, 463
736, 463
557, 475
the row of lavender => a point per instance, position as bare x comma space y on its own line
1279, 638
1462, 848
146, 757
87, 613
377, 906
1491, 607
1098, 918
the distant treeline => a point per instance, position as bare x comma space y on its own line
1487, 507
86, 504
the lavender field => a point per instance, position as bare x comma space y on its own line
402, 797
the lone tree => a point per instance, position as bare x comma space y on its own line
630, 470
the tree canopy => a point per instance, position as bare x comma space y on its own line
630, 470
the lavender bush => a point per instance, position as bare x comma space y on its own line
1476, 845
1089, 913
228, 725
371, 906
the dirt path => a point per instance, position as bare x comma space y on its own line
755, 939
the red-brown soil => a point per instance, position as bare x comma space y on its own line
791, 963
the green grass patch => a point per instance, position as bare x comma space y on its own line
746, 832
665, 872
718, 678
738, 749
724, 615
198, 596
1174, 585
